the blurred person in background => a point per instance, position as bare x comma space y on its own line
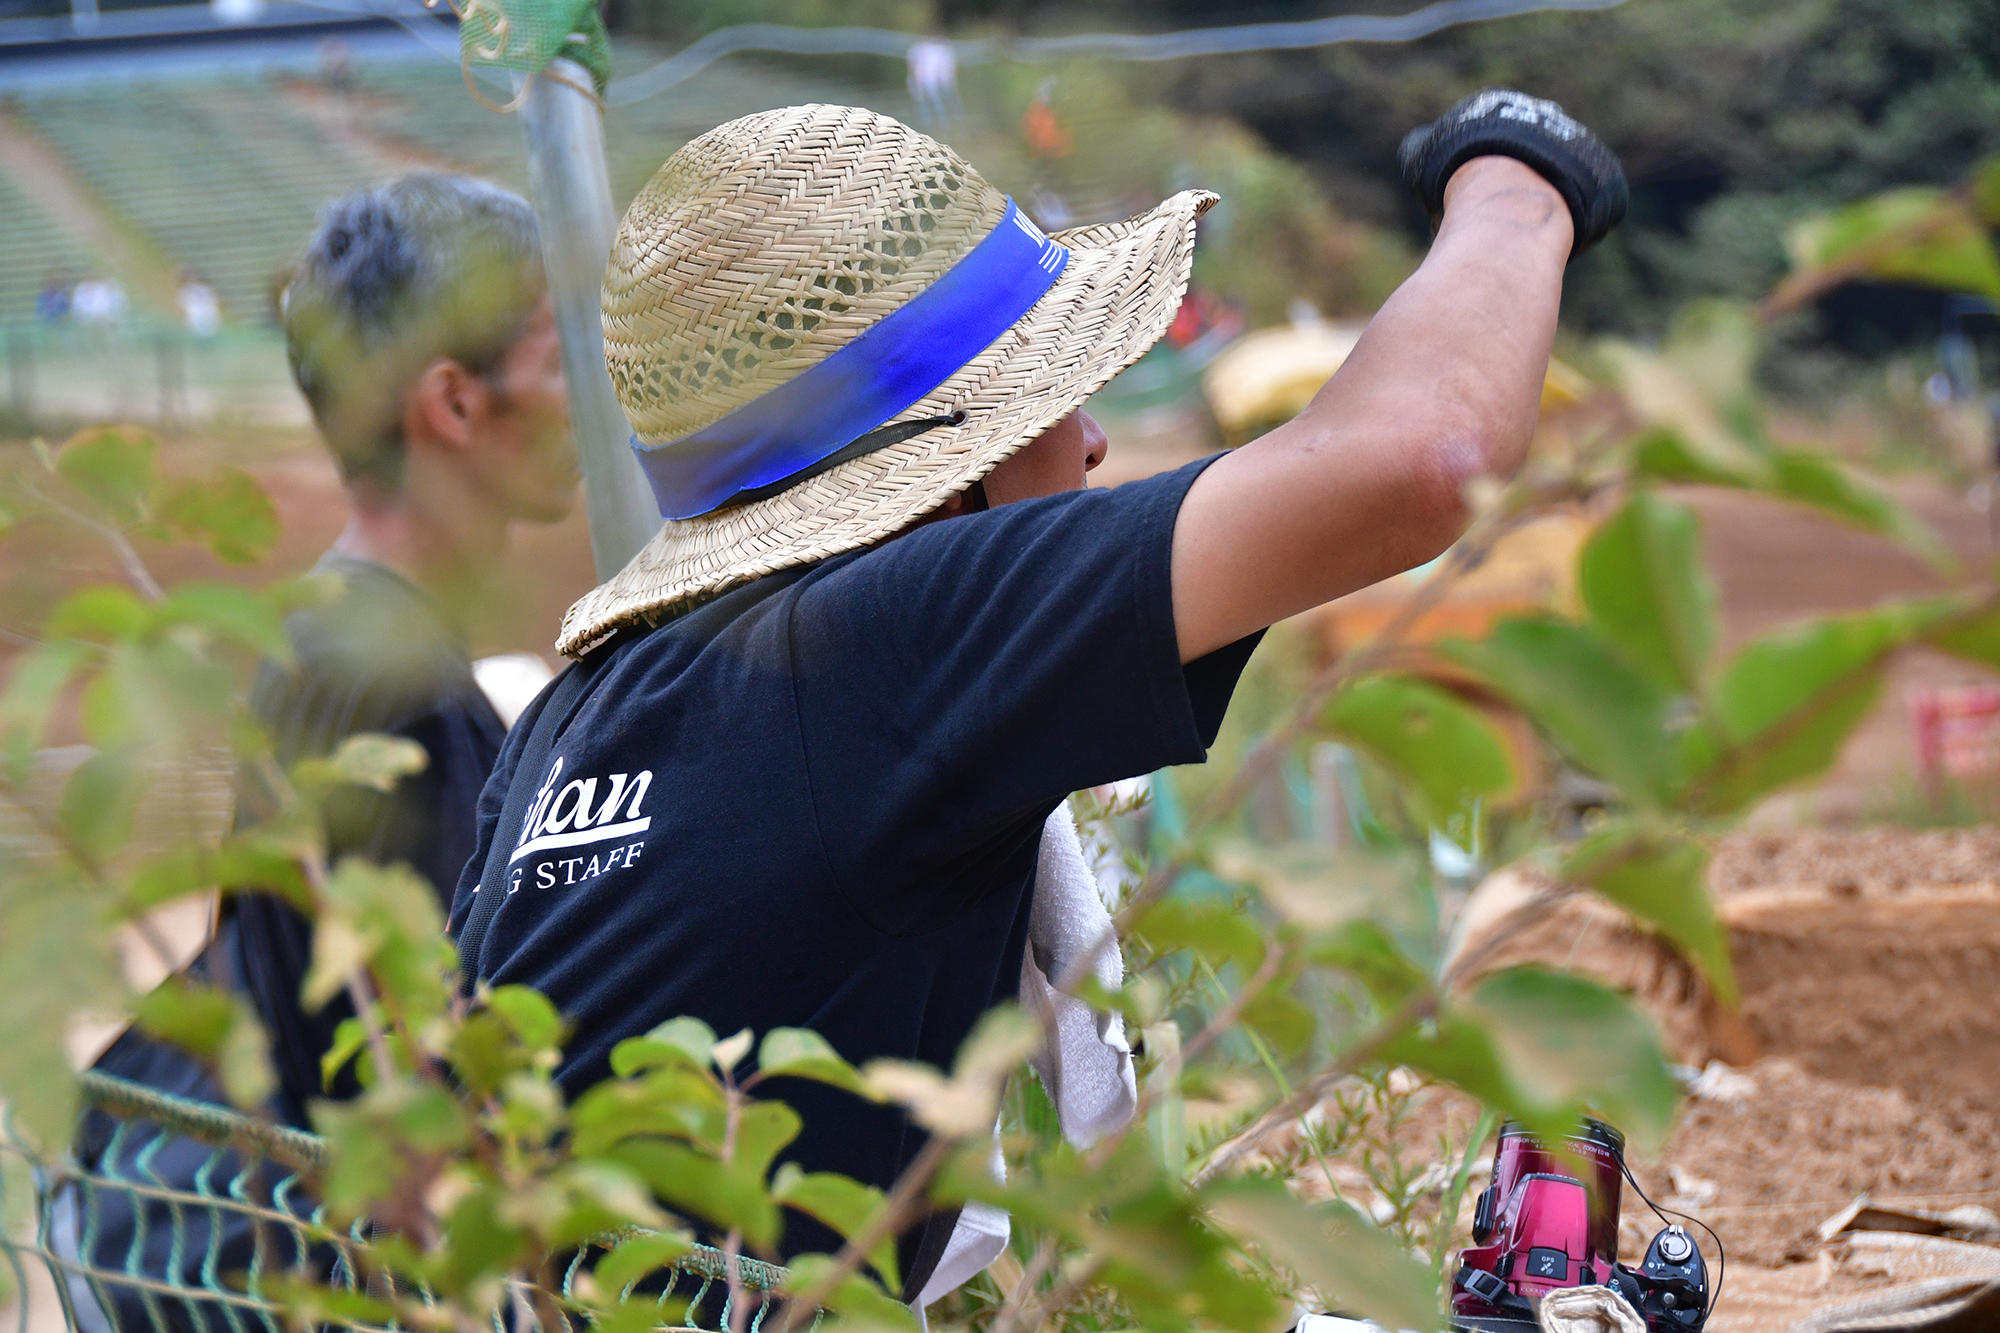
200, 310
420, 331
98, 301
933, 81
53, 300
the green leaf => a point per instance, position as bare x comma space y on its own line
1646, 591
1217, 931
384, 919
1983, 184
842, 1204
763, 1129
855, 1297
124, 704
687, 1041
1575, 1041
484, 1230
195, 1018
599, 1199
350, 1038
55, 963
101, 613
1669, 454
228, 512
698, 1185
1918, 235
1807, 478
28, 704
729, 1052
637, 1257
251, 861
1601, 711
1284, 1020
1439, 747
232, 614
1836, 490
1546, 1047
373, 761
800, 1053
1782, 707
1973, 635
1659, 879
1368, 953
964, 1104
218, 1026
1349, 1264
682, 1101
317, 1306
528, 1014
113, 465
100, 802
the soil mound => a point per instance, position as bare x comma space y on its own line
1867, 1040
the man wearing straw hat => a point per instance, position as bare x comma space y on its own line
800, 771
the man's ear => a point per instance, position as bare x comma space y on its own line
445, 404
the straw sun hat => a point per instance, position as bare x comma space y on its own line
774, 433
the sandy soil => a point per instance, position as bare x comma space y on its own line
1862, 1060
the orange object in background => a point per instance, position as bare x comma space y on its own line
1045, 134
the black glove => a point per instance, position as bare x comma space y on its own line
1511, 124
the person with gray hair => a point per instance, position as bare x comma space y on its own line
420, 332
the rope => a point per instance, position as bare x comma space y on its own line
1181, 45
204, 1122
1184, 44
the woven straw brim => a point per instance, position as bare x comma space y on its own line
1116, 296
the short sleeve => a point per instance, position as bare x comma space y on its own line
486, 815
963, 678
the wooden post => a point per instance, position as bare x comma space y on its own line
564, 132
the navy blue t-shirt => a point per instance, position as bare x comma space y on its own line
816, 800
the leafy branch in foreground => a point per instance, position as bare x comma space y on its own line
1275, 977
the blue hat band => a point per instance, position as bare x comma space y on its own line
895, 364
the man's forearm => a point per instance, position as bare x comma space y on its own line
1443, 387
1465, 342
1369, 480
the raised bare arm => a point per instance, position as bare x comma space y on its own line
1370, 478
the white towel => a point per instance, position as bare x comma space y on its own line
1086, 1066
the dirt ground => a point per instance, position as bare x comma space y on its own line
1866, 1050
1862, 1060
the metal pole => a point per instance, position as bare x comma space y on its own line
564, 132
21, 373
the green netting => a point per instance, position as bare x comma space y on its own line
171, 1214
525, 35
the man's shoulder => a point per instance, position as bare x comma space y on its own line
375, 647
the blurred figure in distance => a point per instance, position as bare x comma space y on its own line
419, 330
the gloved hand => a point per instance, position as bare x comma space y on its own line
1537, 132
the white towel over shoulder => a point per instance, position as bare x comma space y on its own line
1087, 1066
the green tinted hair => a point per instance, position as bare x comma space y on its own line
428, 266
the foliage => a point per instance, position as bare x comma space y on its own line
1290, 993
1735, 118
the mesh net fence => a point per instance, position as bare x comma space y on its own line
526, 35
171, 1214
